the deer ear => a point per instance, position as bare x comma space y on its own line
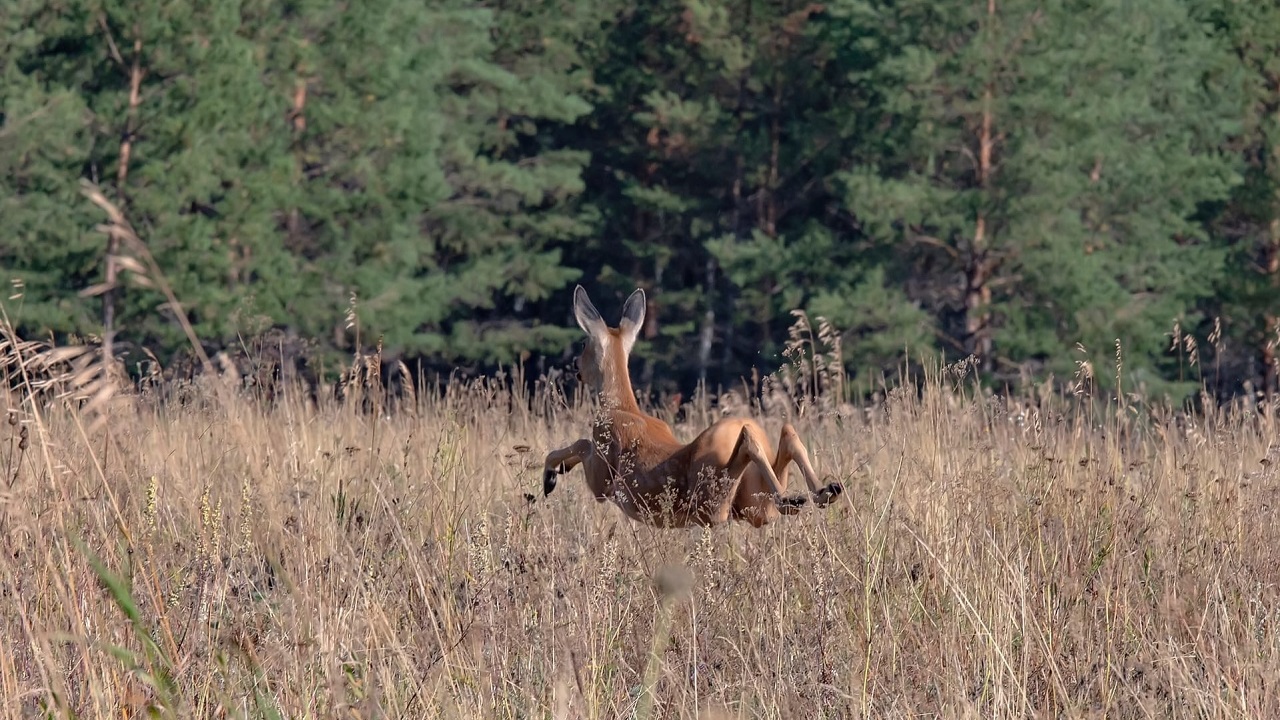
632, 317
586, 314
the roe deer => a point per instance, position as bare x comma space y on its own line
636, 461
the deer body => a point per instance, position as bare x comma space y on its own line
634, 459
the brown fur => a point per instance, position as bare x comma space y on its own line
636, 461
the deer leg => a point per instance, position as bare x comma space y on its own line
561, 461
748, 452
791, 449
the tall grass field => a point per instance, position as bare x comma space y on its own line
203, 552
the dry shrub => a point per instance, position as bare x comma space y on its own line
992, 558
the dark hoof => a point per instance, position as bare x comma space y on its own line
828, 494
549, 479
791, 505
530, 498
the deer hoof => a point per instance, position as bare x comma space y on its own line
548, 481
826, 495
791, 505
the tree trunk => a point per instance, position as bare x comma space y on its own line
737, 222
707, 336
1271, 266
298, 123
1271, 322
769, 206
739, 233
122, 176
977, 294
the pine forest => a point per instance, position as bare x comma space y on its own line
1027, 183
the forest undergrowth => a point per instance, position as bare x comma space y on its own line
219, 555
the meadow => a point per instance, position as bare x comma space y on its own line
1045, 555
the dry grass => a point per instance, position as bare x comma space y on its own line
222, 558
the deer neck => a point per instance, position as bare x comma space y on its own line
616, 391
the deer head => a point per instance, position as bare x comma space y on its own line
603, 362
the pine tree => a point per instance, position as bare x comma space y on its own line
714, 157
202, 169
418, 193
280, 158
1248, 302
178, 128
1058, 155
47, 246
